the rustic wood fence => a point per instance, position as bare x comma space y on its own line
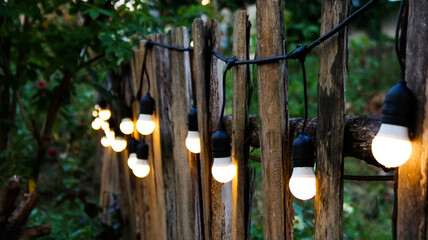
179, 199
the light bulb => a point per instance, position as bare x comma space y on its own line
223, 169
95, 113
205, 2
105, 142
132, 160
141, 168
104, 114
105, 126
96, 123
110, 136
391, 146
302, 183
126, 126
119, 144
145, 124
193, 142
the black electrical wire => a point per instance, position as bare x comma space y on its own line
144, 70
399, 28
180, 49
229, 65
305, 94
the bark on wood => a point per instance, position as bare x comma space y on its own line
272, 116
331, 125
412, 204
163, 163
359, 133
22, 212
221, 193
8, 196
200, 64
34, 232
180, 95
240, 148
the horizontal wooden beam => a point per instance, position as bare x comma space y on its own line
359, 132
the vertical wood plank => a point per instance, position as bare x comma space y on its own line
240, 149
221, 193
180, 95
272, 116
163, 162
200, 64
331, 125
412, 204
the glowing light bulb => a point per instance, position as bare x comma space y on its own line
391, 146
145, 124
141, 168
126, 126
193, 142
104, 114
95, 113
119, 144
191, 43
223, 169
105, 142
132, 160
96, 123
105, 126
205, 2
302, 183
111, 137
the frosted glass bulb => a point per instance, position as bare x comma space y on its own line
96, 123
105, 142
119, 144
391, 146
110, 136
193, 142
145, 124
95, 113
132, 160
205, 2
126, 126
105, 126
302, 183
223, 169
104, 114
141, 168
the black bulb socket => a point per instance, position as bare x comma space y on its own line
132, 146
192, 117
146, 104
102, 102
398, 105
142, 150
111, 123
221, 144
303, 151
126, 112
118, 133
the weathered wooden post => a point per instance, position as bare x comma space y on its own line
331, 125
412, 200
240, 121
273, 113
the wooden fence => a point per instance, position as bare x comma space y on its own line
179, 199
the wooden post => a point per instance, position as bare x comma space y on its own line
272, 112
180, 95
412, 176
221, 193
240, 147
163, 161
331, 125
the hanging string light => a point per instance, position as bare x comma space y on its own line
104, 112
119, 143
223, 169
126, 125
302, 181
193, 141
141, 167
96, 123
145, 123
391, 146
132, 149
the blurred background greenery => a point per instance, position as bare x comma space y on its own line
43, 42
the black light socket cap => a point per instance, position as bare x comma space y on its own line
398, 105
221, 144
132, 145
192, 117
111, 123
146, 104
118, 133
126, 112
142, 150
102, 102
303, 151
